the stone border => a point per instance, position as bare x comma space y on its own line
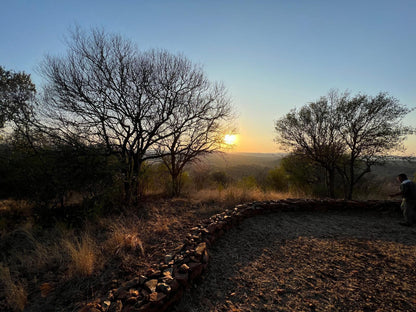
164, 283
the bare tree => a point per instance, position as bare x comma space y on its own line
197, 126
345, 134
311, 131
370, 128
105, 91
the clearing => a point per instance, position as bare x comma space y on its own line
309, 261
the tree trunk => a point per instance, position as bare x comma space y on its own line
176, 185
351, 184
331, 182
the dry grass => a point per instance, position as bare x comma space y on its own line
124, 236
51, 261
13, 213
231, 196
16, 206
83, 253
14, 292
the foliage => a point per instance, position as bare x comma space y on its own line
133, 103
303, 175
248, 183
16, 95
277, 179
48, 177
342, 133
220, 178
370, 128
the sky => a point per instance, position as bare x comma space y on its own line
272, 56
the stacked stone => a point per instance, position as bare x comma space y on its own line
164, 283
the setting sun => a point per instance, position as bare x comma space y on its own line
230, 139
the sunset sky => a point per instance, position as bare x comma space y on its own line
272, 55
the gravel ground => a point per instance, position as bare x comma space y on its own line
333, 261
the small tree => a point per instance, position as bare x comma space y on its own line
370, 128
345, 134
304, 175
197, 125
17, 93
312, 132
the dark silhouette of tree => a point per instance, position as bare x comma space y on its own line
311, 132
198, 123
344, 134
370, 128
17, 93
106, 91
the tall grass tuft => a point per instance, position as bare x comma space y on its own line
83, 254
124, 236
14, 292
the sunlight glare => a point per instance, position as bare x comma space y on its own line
230, 139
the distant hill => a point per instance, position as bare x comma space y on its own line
238, 164
396, 166
227, 160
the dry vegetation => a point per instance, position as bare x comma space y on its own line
63, 267
287, 263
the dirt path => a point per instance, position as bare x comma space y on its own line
333, 261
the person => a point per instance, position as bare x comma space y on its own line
408, 205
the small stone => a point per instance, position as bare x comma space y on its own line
168, 258
163, 287
167, 277
152, 273
134, 292
156, 297
183, 268
106, 304
151, 285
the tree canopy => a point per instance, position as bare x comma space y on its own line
17, 93
345, 134
135, 104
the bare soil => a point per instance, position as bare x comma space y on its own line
300, 261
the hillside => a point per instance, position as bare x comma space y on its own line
227, 160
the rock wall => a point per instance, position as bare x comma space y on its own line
164, 283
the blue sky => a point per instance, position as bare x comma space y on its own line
272, 55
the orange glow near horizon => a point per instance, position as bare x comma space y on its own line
247, 143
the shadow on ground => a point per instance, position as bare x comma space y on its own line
300, 261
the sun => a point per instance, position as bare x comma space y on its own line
230, 139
